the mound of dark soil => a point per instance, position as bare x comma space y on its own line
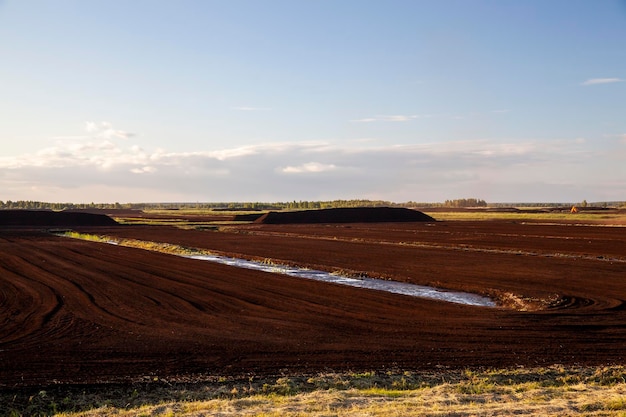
247, 217
110, 212
48, 218
346, 215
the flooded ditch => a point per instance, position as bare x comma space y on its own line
394, 287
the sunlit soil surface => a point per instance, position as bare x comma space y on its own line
83, 312
394, 287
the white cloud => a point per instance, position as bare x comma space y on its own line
365, 120
105, 130
91, 127
594, 81
224, 154
314, 167
143, 170
436, 171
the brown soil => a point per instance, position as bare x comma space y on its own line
345, 215
82, 312
172, 215
12, 218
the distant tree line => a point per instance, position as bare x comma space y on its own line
465, 202
295, 205
289, 205
40, 205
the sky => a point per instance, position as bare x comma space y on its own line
282, 100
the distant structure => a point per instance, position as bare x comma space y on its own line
574, 209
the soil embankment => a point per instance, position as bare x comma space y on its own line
49, 218
345, 215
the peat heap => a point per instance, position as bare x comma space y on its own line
10, 218
123, 212
346, 215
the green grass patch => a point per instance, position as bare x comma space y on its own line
139, 244
86, 236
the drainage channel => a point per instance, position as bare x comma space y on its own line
394, 287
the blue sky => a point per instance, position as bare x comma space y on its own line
241, 100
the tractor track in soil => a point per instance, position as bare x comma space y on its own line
83, 312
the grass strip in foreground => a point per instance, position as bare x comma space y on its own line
542, 391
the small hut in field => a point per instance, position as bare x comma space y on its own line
574, 209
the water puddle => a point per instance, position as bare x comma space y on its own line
369, 283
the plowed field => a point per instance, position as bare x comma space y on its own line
78, 311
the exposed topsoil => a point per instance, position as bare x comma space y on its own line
52, 218
346, 215
175, 215
75, 311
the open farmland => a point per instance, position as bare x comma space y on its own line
75, 311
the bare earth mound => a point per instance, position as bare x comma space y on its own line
346, 215
171, 215
9, 218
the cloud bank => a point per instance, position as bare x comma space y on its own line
594, 81
105, 167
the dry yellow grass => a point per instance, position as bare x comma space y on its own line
607, 218
442, 400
